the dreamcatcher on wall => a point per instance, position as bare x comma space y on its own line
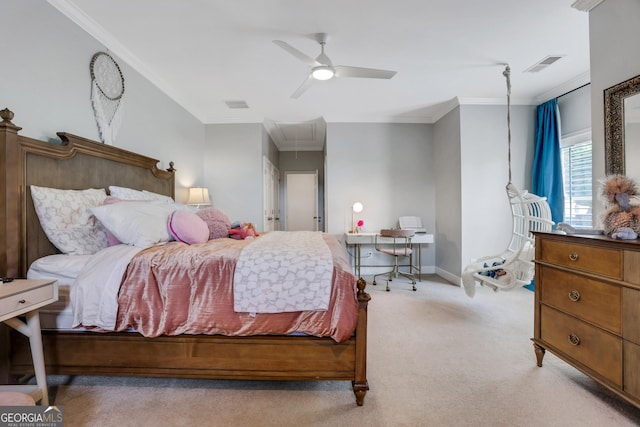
107, 90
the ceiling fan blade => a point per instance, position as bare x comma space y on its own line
303, 87
371, 73
295, 52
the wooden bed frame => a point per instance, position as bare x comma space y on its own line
78, 163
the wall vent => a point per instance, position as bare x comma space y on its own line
542, 64
236, 104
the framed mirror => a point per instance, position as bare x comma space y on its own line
622, 128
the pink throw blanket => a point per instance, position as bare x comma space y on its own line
176, 289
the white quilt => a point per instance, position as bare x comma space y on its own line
283, 272
94, 295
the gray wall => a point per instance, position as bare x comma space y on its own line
233, 170
387, 167
448, 195
472, 171
613, 33
45, 81
575, 111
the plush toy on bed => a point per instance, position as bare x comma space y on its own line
621, 220
244, 231
217, 221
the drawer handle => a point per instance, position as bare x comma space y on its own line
574, 339
22, 301
573, 256
574, 295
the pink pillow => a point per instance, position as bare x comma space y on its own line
187, 227
217, 221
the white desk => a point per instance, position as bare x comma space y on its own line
358, 239
25, 297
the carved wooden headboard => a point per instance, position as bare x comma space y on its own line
75, 163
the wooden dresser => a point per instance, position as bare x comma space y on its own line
587, 307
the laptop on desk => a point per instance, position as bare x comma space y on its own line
411, 223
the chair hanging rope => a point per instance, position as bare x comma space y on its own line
514, 266
507, 74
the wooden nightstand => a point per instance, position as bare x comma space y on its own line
25, 297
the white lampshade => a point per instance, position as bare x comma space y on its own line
198, 196
357, 207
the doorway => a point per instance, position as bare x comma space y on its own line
301, 199
271, 191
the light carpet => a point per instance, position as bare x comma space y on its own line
436, 358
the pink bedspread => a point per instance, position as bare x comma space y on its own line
177, 289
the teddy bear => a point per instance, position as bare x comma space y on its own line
244, 231
621, 219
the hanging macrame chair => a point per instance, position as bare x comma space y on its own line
514, 266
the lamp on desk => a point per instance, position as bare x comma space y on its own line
198, 196
356, 208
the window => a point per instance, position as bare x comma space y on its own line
578, 181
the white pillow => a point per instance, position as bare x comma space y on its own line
125, 193
67, 221
135, 222
159, 197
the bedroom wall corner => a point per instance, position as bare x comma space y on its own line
613, 38
46, 82
389, 167
233, 170
448, 199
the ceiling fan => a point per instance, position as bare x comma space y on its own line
322, 68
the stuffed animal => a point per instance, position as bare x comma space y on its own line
244, 231
217, 221
621, 220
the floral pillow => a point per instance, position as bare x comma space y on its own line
67, 221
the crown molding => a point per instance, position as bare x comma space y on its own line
576, 82
95, 30
585, 5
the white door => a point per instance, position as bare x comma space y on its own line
271, 198
302, 200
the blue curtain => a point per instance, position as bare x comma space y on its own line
546, 177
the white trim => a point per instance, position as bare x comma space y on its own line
568, 86
95, 30
449, 277
585, 5
576, 137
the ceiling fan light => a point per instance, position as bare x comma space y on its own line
323, 72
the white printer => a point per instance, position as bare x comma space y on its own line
411, 223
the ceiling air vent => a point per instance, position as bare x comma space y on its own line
236, 104
541, 65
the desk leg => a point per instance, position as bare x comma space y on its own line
419, 263
358, 260
35, 341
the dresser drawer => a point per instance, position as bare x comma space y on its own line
25, 301
591, 346
593, 259
591, 300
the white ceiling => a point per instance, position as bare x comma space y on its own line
204, 53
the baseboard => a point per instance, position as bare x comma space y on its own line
456, 280
371, 270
